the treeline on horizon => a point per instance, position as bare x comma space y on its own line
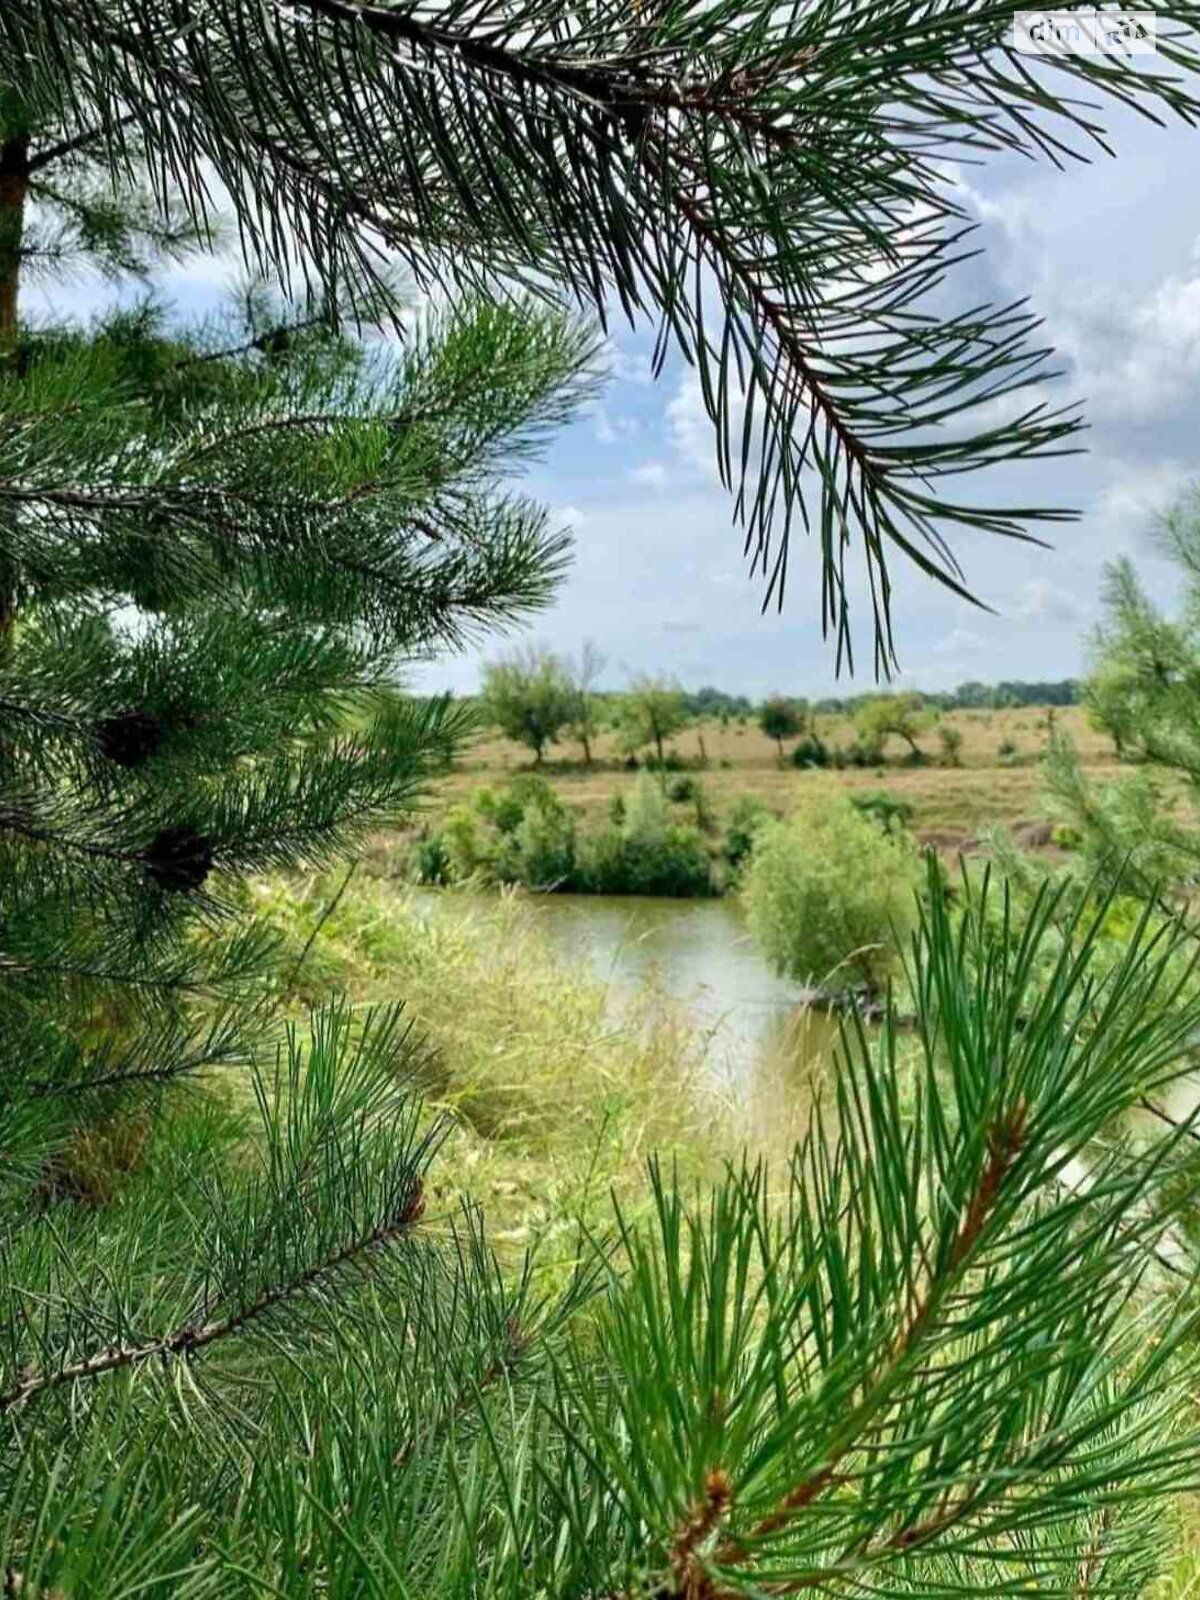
972, 696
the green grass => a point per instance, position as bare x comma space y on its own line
555, 1096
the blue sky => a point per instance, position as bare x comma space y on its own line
1110, 255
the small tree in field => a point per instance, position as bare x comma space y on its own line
530, 698
951, 741
886, 716
652, 711
584, 672
781, 718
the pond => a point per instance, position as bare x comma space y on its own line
760, 1037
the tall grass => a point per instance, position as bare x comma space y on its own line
555, 1095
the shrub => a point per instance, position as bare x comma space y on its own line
467, 844
810, 752
827, 892
746, 816
545, 840
522, 833
649, 854
951, 741
890, 811
682, 788
859, 754
429, 860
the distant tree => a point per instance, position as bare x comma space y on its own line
710, 702
781, 718
951, 741
884, 716
530, 697
584, 672
654, 709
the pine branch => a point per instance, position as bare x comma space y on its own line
190, 1339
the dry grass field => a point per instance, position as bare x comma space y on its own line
950, 804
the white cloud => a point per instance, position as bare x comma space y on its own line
1039, 600
959, 643
1125, 510
650, 475
689, 427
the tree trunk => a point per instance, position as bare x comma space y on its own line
658, 744
587, 749
14, 187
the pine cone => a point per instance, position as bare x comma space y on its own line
178, 859
130, 737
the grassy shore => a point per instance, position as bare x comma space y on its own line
555, 1092
950, 804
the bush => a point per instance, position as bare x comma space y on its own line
827, 893
648, 854
545, 842
810, 752
429, 860
858, 754
746, 816
889, 811
522, 833
951, 741
682, 788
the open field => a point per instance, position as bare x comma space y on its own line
735, 758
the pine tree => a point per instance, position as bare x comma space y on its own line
1139, 830
938, 1363
770, 184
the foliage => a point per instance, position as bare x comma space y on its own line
525, 834
521, 834
945, 1366
781, 718
746, 814
885, 716
711, 702
891, 812
218, 546
650, 712
1141, 830
529, 697
829, 894
951, 740
647, 853
617, 160
268, 1359
584, 673
810, 751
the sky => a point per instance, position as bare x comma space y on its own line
1109, 254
